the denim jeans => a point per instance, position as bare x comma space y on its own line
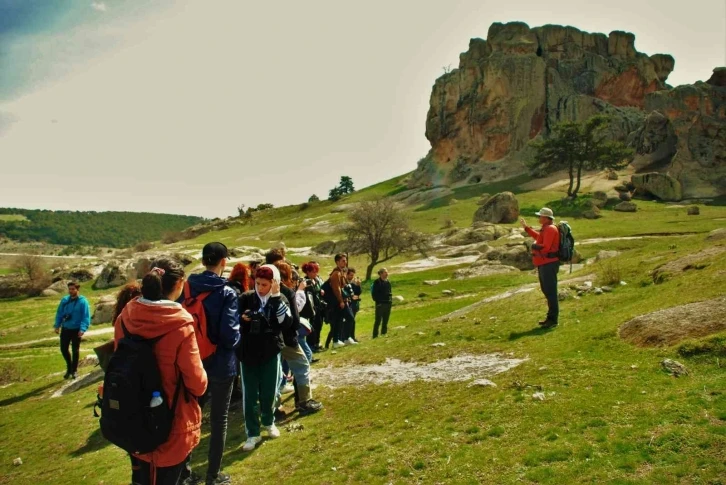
219, 394
302, 340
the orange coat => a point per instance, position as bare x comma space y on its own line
549, 238
176, 354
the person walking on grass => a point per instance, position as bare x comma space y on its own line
72, 319
545, 259
383, 297
220, 304
156, 315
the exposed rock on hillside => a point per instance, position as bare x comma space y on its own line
519, 83
502, 208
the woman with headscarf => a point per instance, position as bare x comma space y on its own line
264, 315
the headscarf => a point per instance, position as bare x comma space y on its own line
276, 278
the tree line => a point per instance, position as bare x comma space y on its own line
90, 228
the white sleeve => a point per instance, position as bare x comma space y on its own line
300, 300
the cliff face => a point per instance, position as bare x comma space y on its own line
518, 84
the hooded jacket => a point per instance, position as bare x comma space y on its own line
221, 310
78, 311
177, 356
259, 348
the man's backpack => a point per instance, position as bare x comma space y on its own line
329, 297
567, 243
194, 305
132, 376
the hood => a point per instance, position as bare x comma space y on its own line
151, 319
206, 281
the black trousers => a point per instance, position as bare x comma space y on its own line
314, 338
69, 337
383, 313
548, 283
341, 322
141, 473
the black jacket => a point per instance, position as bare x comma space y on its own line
290, 335
259, 348
382, 292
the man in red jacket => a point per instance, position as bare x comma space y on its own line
544, 257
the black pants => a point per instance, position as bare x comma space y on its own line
314, 338
69, 336
340, 324
349, 312
548, 283
383, 313
141, 473
219, 395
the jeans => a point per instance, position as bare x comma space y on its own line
219, 393
141, 473
259, 387
69, 336
302, 340
300, 367
548, 283
383, 313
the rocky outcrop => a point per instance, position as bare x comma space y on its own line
520, 82
659, 185
103, 312
685, 136
502, 208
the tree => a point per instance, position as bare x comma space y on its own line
313, 198
346, 185
32, 268
334, 194
380, 230
578, 147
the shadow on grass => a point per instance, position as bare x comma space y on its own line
30, 394
533, 332
94, 442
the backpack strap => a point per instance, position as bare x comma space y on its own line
189, 299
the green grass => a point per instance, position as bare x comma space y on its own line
13, 218
610, 414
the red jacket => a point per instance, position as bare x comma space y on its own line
176, 353
549, 238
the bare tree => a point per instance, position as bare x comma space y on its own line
31, 266
380, 230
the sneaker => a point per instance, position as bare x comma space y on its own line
251, 443
67, 375
338, 344
287, 389
314, 361
309, 407
350, 341
272, 431
548, 324
222, 479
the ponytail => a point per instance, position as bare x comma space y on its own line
160, 281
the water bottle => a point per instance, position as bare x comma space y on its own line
156, 399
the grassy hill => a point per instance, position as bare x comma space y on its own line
607, 412
108, 229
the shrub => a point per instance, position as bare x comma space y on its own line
609, 273
143, 246
172, 237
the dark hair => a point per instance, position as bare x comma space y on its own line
285, 273
310, 267
241, 274
351, 270
340, 256
127, 293
73, 283
274, 255
164, 275
265, 273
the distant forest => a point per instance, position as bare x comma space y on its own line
108, 229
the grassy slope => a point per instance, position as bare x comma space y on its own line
610, 414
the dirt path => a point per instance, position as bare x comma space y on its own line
90, 333
507, 294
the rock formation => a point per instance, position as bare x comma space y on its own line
520, 82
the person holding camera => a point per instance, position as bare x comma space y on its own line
72, 319
264, 314
315, 308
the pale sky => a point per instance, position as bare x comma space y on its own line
196, 107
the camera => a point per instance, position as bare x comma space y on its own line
258, 323
66, 318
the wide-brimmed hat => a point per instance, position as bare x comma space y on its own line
545, 211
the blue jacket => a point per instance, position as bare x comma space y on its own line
221, 310
78, 310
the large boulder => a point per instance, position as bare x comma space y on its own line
503, 208
479, 232
115, 274
519, 83
626, 207
660, 185
104, 310
484, 268
517, 255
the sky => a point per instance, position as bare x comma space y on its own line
195, 107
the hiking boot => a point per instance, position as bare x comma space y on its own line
222, 479
272, 431
310, 406
251, 443
350, 341
192, 479
548, 324
338, 344
67, 375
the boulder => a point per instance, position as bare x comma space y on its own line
60, 286
103, 312
593, 213
483, 199
487, 269
81, 275
717, 235
502, 208
115, 274
398, 298
517, 256
49, 293
612, 175
480, 232
694, 210
625, 196
621, 188
325, 247
674, 367
626, 207
600, 199
660, 185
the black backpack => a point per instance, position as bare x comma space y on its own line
566, 250
132, 375
329, 297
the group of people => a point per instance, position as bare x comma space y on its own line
262, 322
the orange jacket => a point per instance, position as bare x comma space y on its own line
549, 238
176, 354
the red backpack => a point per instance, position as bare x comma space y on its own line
194, 306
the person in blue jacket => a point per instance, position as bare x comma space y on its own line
221, 312
71, 321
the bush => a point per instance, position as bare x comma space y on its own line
172, 237
304, 205
143, 246
609, 273
313, 198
